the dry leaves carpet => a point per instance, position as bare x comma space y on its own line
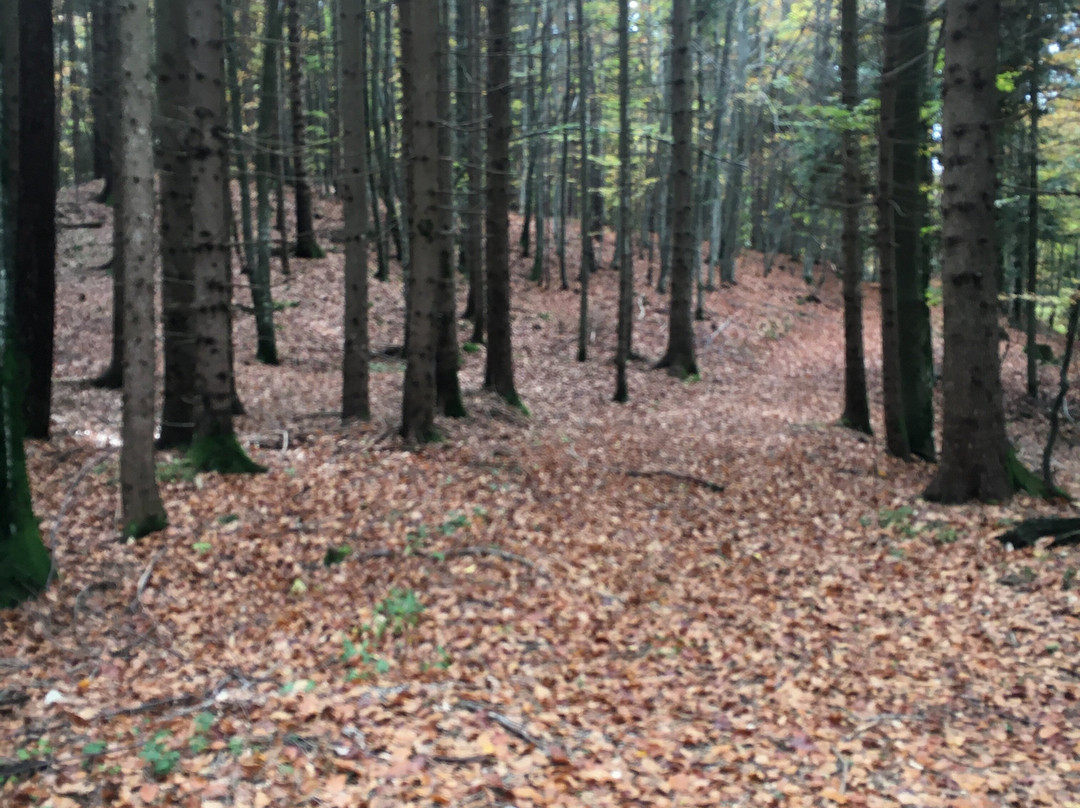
563, 609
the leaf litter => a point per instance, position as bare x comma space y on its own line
541, 611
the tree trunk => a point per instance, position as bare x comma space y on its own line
24, 561
306, 245
352, 186
447, 386
976, 461
499, 368
420, 64
268, 142
141, 503
856, 408
177, 226
679, 357
214, 446
624, 256
474, 215
35, 224
911, 264
896, 439
588, 261
1034, 50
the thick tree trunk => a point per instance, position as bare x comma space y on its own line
176, 225
420, 64
35, 224
24, 561
976, 460
141, 503
214, 446
679, 357
474, 214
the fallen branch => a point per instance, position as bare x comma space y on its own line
1065, 530
494, 552
675, 475
511, 726
463, 761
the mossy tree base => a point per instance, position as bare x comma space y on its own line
144, 527
24, 564
223, 454
1024, 479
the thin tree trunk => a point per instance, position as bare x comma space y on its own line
584, 175
306, 244
499, 367
856, 407
624, 256
353, 185
141, 503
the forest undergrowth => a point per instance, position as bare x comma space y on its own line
712, 595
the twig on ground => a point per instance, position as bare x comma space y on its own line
674, 475
95, 586
511, 726
462, 761
495, 552
144, 579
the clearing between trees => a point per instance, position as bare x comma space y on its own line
711, 595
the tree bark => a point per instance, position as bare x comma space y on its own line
679, 357
856, 407
975, 456
306, 244
176, 225
214, 446
35, 224
499, 368
420, 63
24, 561
355, 402
143, 511
624, 256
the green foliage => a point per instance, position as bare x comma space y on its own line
470, 347
400, 611
158, 756
335, 555
202, 547
144, 527
178, 469
454, 521
282, 305
887, 517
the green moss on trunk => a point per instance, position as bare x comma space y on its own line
221, 453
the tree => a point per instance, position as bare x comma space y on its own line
176, 225
909, 209
856, 408
474, 162
420, 64
624, 256
679, 357
499, 367
24, 561
214, 446
35, 223
584, 173
976, 461
268, 140
142, 509
306, 245
353, 186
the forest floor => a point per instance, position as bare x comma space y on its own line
711, 595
